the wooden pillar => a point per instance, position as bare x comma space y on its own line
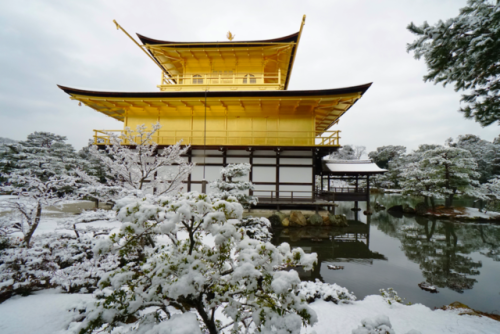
313, 197
250, 175
277, 175
189, 176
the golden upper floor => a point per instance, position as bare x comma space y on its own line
224, 66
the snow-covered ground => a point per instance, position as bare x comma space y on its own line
475, 213
50, 312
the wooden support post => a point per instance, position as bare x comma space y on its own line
277, 175
189, 176
250, 175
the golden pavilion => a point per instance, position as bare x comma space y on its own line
230, 101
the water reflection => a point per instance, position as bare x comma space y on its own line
380, 251
346, 244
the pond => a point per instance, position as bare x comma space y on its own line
382, 251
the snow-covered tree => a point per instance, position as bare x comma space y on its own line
135, 165
32, 194
172, 274
348, 152
43, 154
464, 51
231, 183
384, 154
52, 261
486, 154
442, 172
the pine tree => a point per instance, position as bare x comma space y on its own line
465, 51
228, 185
441, 172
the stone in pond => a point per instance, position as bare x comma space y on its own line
315, 220
297, 219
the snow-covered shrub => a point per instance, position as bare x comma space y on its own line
135, 166
87, 217
311, 291
53, 260
390, 296
33, 193
258, 228
169, 269
378, 325
227, 186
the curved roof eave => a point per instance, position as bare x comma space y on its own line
200, 94
286, 39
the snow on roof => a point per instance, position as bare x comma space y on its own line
351, 166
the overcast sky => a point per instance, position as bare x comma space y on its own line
344, 43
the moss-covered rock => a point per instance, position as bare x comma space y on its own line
297, 219
339, 220
275, 220
326, 220
315, 220
281, 215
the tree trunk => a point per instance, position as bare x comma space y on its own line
426, 200
210, 323
433, 205
27, 237
449, 201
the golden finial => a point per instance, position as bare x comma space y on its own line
230, 36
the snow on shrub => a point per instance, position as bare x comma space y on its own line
166, 272
258, 228
311, 291
136, 166
53, 260
228, 185
378, 325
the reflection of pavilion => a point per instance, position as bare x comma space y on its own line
332, 244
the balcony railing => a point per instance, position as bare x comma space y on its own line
210, 79
235, 138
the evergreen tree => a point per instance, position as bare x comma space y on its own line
486, 154
43, 154
442, 172
465, 51
385, 154
229, 185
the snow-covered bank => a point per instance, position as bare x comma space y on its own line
465, 214
45, 312
334, 319
48, 312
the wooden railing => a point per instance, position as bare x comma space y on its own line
223, 79
234, 138
285, 195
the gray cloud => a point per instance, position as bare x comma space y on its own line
344, 43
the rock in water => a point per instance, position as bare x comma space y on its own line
281, 215
285, 222
428, 287
316, 220
421, 208
335, 267
408, 209
339, 220
395, 208
275, 220
297, 219
326, 220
